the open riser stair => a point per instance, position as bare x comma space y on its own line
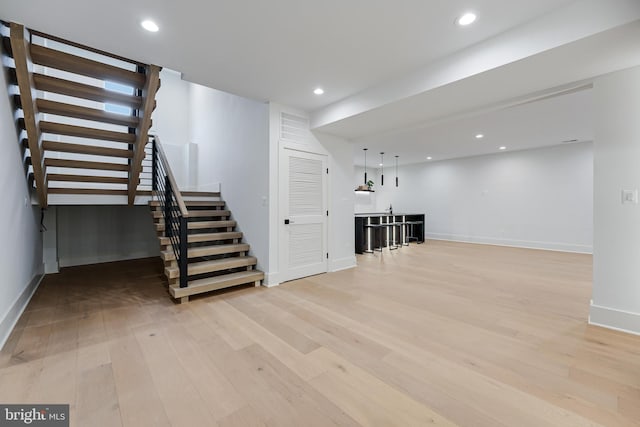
200, 247
84, 115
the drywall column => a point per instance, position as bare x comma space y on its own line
50, 241
616, 276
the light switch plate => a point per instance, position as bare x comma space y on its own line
630, 196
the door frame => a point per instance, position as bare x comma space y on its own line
316, 149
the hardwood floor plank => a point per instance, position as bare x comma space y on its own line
97, 399
243, 417
138, 399
367, 399
222, 399
180, 399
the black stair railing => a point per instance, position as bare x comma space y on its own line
174, 211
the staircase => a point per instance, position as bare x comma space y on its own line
79, 136
199, 247
84, 117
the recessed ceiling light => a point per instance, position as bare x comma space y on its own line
479, 136
428, 158
150, 25
318, 91
466, 19
502, 148
379, 164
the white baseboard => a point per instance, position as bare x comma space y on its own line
342, 263
11, 318
271, 280
525, 244
612, 318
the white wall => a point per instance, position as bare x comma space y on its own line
539, 198
171, 122
95, 234
21, 252
616, 277
341, 220
231, 134
171, 116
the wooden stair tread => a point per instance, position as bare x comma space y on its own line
206, 237
81, 164
199, 194
196, 214
84, 91
86, 132
105, 191
74, 64
198, 225
86, 178
79, 112
156, 203
212, 266
202, 251
86, 149
218, 282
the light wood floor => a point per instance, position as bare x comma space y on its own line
441, 333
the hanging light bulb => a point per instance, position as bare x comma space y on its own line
365, 165
382, 168
396, 171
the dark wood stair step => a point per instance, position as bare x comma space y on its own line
206, 237
218, 282
78, 112
87, 178
86, 149
199, 225
81, 90
103, 191
80, 164
75, 64
199, 194
86, 132
198, 203
202, 251
197, 214
212, 266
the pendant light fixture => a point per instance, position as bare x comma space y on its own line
396, 171
382, 168
365, 165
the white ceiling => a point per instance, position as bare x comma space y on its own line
279, 50
399, 76
547, 122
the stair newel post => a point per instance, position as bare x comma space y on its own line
168, 198
154, 165
183, 251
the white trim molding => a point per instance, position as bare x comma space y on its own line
525, 244
13, 315
612, 318
342, 263
271, 280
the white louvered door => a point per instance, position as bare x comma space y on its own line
303, 186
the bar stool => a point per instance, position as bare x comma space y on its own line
392, 244
377, 231
412, 236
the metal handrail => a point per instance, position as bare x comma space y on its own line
163, 157
166, 190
